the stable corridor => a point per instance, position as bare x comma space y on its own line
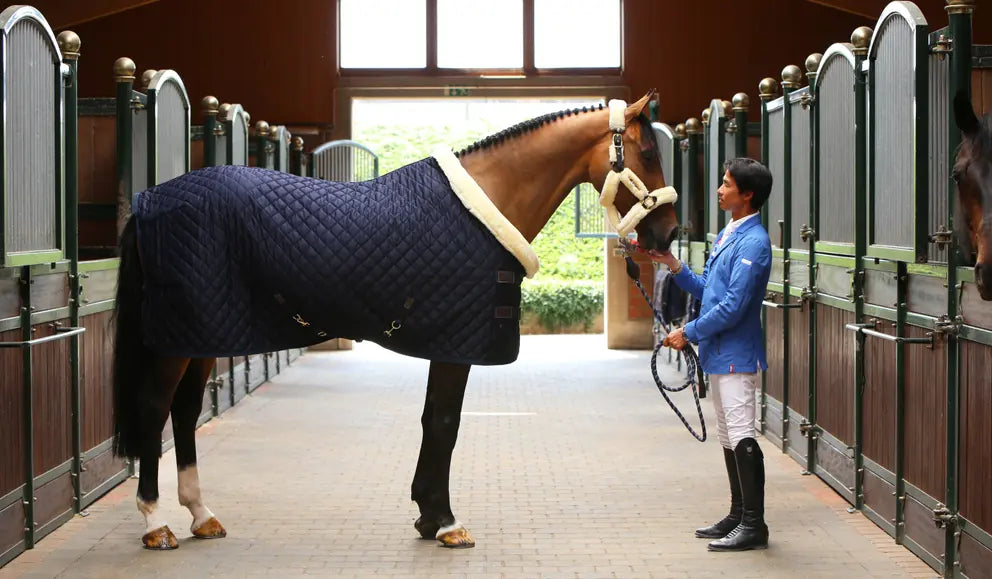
569, 464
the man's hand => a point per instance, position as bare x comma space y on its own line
675, 339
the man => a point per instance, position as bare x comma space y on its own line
731, 346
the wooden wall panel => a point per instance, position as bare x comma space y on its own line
96, 368
976, 434
879, 402
12, 411
774, 352
799, 360
835, 357
52, 401
926, 415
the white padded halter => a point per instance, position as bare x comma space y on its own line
607, 198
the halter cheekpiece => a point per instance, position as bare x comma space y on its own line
620, 174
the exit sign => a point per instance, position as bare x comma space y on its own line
456, 91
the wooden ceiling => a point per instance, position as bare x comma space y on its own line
872, 8
61, 14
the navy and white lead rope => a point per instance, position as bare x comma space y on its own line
688, 353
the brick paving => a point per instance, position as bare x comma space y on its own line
568, 464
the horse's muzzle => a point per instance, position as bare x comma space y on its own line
983, 279
659, 238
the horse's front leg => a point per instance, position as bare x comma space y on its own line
442, 415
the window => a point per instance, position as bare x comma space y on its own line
523, 36
480, 34
383, 33
577, 33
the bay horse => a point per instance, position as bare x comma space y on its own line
526, 171
972, 174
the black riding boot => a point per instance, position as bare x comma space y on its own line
730, 522
751, 533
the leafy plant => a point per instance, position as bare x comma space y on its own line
558, 303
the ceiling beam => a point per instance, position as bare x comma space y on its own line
61, 14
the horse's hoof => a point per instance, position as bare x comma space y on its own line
212, 529
161, 539
457, 538
427, 529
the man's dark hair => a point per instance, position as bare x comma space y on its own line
750, 175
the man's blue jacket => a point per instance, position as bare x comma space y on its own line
728, 329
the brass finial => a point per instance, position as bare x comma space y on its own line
728, 109
124, 69
741, 102
706, 117
147, 76
960, 6
247, 118
791, 76
274, 132
861, 38
209, 105
261, 129
813, 65
297, 143
223, 111
69, 44
680, 131
693, 126
767, 88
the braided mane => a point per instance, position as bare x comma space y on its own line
522, 128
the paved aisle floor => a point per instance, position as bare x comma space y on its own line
569, 464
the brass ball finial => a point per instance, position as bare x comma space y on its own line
861, 38
69, 44
960, 6
706, 116
297, 143
741, 102
209, 105
261, 129
791, 76
693, 126
273, 132
223, 111
728, 109
147, 76
124, 69
813, 65
680, 131
767, 88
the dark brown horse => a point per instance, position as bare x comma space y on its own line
973, 174
526, 172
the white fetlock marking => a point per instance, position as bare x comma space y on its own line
445, 530
189, 496
152, 519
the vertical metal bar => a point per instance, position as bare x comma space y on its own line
210, 107
721, 156
921, 200
741, 104
860, 39
766, 91
27, 381
812, 66
902, 285
694, 133
790, 81
69, 44
151, 138
960, 19
124, 76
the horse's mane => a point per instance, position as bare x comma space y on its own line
983, 140
647, 134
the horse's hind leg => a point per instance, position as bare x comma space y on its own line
442, 415
186, 407
153, 412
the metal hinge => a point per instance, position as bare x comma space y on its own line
808, 293
942, 46
941, 238
945, 325
943, 518
807, 100
806, 233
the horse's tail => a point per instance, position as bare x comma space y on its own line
131, 357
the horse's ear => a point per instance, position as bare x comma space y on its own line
634, 109
964, 115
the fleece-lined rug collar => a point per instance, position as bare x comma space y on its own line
479, 205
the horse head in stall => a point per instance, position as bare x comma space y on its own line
426, 261
972, 173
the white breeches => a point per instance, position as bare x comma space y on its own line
733, 399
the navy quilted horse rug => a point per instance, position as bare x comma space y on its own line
242, 260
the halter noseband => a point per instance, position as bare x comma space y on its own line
620, 174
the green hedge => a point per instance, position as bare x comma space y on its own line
559, 303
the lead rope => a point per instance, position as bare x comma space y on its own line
687, 353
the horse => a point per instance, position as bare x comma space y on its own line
524, 172
972, 174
